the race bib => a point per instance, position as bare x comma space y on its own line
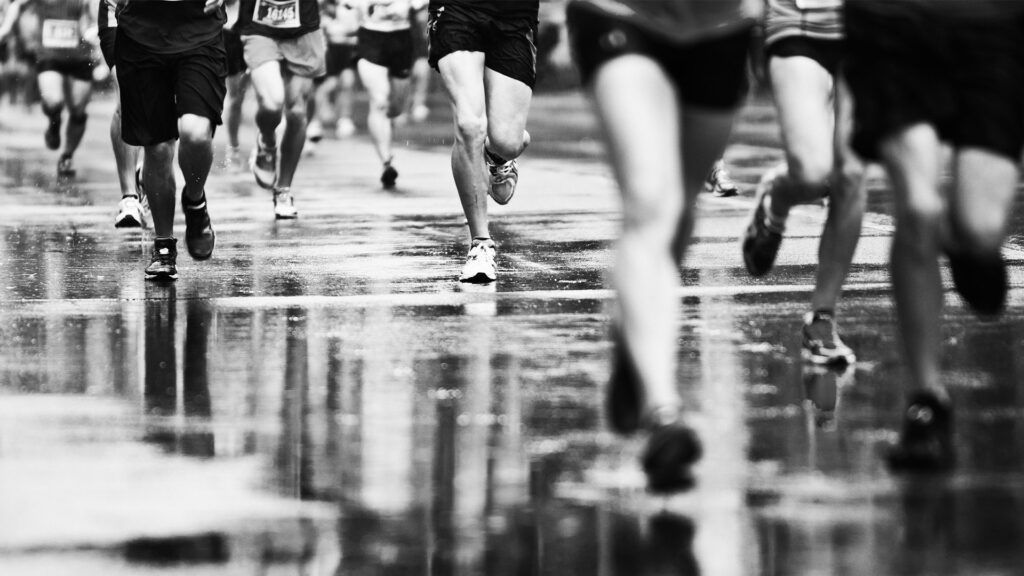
61, 34
818, 4
277, 13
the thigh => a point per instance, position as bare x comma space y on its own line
201, 82
148, 110
454, 29
803, 98
508, 105
268, 82
462, 74
512, 51
638, 107
51, 86
375, 79
306, 56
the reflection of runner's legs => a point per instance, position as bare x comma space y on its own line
664, 132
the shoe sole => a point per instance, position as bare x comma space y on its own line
127, 221
161, 277
201, 257
818, 359
479, 278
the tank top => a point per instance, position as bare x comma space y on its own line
819, 19
680, 20
171, 26
385, 15
278, 18
60, 30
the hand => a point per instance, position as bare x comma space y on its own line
212, 6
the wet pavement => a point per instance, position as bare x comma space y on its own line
322, 397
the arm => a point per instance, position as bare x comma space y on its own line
11, 18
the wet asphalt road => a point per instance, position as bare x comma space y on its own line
322, 397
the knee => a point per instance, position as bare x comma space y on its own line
471, 129
980, 235
271, 104
652, 208
194, 131
849, 181
506, 143
52, 108
811, 171
78, 114
920, 221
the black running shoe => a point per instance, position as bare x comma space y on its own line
163, 265
981, 282
821, 341
625, 392
389, 176
668, 459
199, 235
761, 241
926, 442
66, 167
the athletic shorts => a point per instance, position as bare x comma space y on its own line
108, 38
340, 57
392, 50
235, 52
910, 63
509, 46
304, 56
77, 69
828, 53
157, 89
710, 73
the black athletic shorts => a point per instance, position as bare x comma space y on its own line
77, 69
710, 73
509, 46
909, 63
235, 51
393, 50
828, 53
340, 57
108, 38
157, 89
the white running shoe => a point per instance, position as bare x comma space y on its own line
419, 114
263, 163
479, 267
129, 213
314, 131
284, 204
504, 178
345, 128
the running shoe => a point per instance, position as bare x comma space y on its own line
199, 235
504, 177
822, 344
52, 135
284, 204
668, 459
719, 183
419, 114
762, 238
129, 213
263, 163
926, 441
314, 131
65, 167
163, 263
389, 176
345, 128
233, 159
981, 282
479, 267
625, 393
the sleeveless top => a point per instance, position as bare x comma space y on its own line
385, 15
170, 26
278, 18
680, 20
60, 30
819, 19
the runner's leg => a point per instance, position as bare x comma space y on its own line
298, 92
462, 73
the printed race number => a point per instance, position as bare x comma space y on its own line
277, 13
61, 34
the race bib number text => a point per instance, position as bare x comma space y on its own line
277, 13
61, 34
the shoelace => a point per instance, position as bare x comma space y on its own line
503, 171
